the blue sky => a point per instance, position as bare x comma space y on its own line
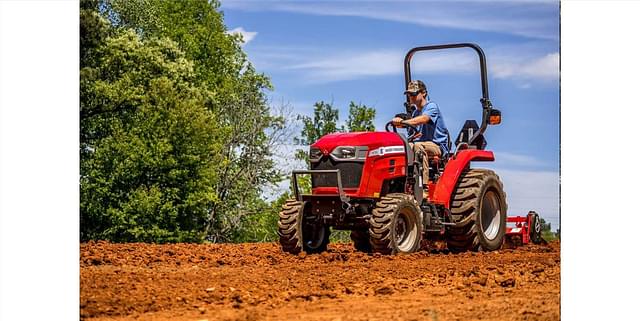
353, 50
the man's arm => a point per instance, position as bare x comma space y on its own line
422, 119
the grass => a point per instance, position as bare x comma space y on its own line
340, 236
549, 236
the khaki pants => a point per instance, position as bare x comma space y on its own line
428, 149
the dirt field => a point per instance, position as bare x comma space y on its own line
259, 282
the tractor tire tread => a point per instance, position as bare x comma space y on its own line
381, 221
463, 236
288, 227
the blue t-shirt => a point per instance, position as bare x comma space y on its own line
434, 130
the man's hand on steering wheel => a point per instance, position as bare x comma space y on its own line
398, 122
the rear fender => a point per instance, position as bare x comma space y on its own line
452, 171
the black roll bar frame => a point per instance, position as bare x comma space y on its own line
486, 103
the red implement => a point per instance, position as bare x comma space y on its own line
522, 230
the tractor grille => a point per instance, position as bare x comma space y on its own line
350, 173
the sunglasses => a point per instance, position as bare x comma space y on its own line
413, 94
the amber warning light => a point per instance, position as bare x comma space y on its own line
495, 117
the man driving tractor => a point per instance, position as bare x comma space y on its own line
367, 182
433, 135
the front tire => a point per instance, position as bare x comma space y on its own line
479, 207
395, 225
298, 232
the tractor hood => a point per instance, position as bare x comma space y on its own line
372, 140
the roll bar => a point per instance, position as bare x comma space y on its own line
486, 103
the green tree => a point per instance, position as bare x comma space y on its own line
360, 118
147, 166
547, 234
94, 30
237, 99
324, 121
263, 226
545, 227
169, 99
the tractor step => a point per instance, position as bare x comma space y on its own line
436, 220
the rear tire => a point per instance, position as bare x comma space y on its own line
296, 233
478, 205
395, 225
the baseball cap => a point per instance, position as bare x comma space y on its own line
415, 86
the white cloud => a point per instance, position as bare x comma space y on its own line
444, 62
317, 66
531, 19
545, 68
525, 85
247, 36
350, 66
524, 62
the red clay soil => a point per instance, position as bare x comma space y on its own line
259, 282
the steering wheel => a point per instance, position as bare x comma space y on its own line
395, 130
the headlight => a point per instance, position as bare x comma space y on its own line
350, 153
315, 154
345, 152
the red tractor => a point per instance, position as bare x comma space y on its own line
523, 230
371, 183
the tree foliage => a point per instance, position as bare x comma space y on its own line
176, 133
544, 225
360, 118
146, 161
547, 233
325, 121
